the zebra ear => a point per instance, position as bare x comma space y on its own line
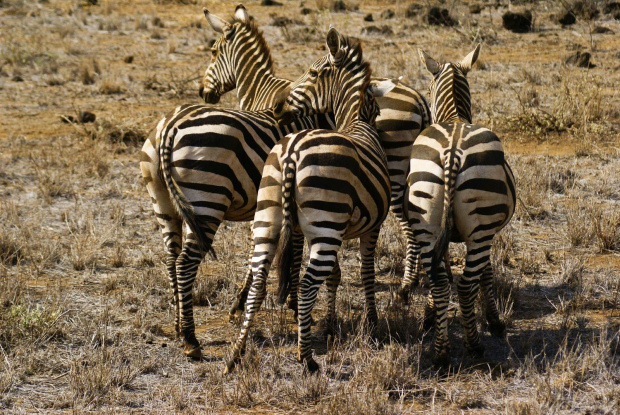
382, 88
241, 13
217, 23
333, 42
431, 64
468, 61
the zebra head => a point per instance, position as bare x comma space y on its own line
338, 82
219, 78
449, 89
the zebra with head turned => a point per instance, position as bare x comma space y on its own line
203, 165
241, 60
460, 188
334, 185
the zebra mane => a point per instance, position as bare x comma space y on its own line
355, 48
256, 34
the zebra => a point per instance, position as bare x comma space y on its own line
334, 185
242, 60
203, 165
459, 188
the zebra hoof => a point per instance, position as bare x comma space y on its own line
193, 352
292, 305
230, 366
310, 366
403, 296
476, 350
441, 360
497, 328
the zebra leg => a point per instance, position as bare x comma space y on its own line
323, 258
332, 287
429, 314
187, 266
496, 326
266, 235
440, 291
168, 221
242, 295
368, 243
468, 288
298, 251
411, 277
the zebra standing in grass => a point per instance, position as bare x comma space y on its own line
203, 165
460, 188
241, 60
334, 185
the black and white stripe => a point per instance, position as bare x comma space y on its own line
241, 60
333, 185
460, 188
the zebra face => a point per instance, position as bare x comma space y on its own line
305, 96
219, 78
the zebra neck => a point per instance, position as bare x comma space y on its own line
258, 89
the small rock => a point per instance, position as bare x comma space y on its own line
270, 3
164, 345
306, 11
128, 59
339, 6
4, 74
368, 18
412, 10
149, 342
518, 22
387, 14
567, 19
17, 78
375, 30
440, 17
85, 117
475, 9
611, 7
133, 308
602, 30
580, 59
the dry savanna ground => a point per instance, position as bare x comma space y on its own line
85, 318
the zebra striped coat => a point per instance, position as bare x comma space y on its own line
460, 188
203, 165
242, 60
334, 185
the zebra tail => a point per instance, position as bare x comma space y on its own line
285, 244
446, 219
179, 201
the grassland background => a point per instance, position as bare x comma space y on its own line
85, 321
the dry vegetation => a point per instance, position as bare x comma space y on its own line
85, 319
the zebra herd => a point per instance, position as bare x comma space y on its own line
324, 158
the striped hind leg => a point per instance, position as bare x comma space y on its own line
323, 258
468, 288
333, 281
266, 234
488, 296
440, 292
368, 243
187, 266
411, 278
170, 225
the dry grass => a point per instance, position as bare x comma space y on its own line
85, 317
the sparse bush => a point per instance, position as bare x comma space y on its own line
578, 227
607, 229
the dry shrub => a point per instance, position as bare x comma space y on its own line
579, 106
12, 248
128, 132
578, 226
607, 229
97, 373
110, 87
30, 323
